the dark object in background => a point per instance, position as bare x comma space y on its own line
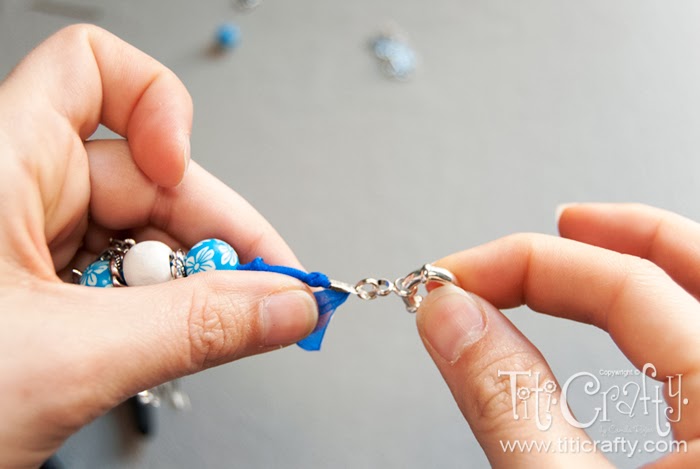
143, 416
85, 13
52, 463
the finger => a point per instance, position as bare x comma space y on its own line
485, 361
615, 292
687, 456
88, 76
648, 315
642, 231
200, 207
164, 331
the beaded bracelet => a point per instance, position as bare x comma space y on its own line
127, 263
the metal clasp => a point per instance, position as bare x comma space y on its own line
405, 287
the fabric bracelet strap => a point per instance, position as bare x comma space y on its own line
328, 300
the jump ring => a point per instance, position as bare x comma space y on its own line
367, 289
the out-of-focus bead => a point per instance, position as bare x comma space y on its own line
228, 36
397, 58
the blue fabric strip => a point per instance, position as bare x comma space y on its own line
312, 279
328, 300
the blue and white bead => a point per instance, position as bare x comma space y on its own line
211, 254
98, 275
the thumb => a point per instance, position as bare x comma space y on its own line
484, 358
139, 337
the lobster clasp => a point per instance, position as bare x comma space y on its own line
428, 273
438, 274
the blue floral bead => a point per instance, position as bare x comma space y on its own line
97, 274
211, 254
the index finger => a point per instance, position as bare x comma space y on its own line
648, 315
200, 207
640, 230
86, 76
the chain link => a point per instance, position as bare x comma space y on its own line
371, 288
404, 287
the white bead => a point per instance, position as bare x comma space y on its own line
147, 263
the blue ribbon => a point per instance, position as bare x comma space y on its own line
328, 300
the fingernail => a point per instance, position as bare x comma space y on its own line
561, 208
288, 317
453, 321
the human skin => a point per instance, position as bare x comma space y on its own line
69, 353
628, 269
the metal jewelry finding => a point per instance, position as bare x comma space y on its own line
405, 287
169, 391
115, 255
177, 264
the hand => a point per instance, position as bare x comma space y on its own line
70, 353
644, 295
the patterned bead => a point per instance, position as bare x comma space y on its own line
147, 263
98, 275
211, 254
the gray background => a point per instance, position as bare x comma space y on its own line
515, 107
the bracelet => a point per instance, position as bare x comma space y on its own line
127, 263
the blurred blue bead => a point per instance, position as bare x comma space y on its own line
211, 254
382, 47
397, 55
403, 61
98, 275
228, 36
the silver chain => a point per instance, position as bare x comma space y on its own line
405, 287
